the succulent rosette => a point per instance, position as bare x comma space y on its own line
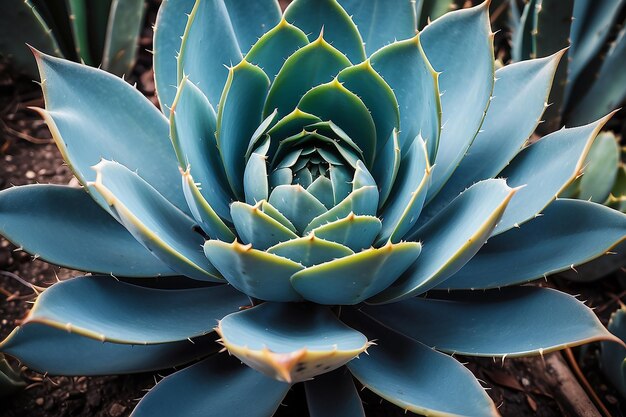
320, 172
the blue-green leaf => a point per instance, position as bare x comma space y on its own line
601, 168
613, 355
51, 350
258, 274
192, 129
382, 21
313, 16
168, 29
64, 226
524, 85
239, 115
452, 238
460, 46
546, 168
322, 189
217, 34
290, 342
409, 194
87, 112
377, 96
297, 204
355, 278
363, 201
355, 232
310, 250
258, 228
272, 50
163, 229
333, 395
517, 321
403, 371
405, 67
255, 179
108, 310
213, 388
312, 65
547, 240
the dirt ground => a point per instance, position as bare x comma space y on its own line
28, 156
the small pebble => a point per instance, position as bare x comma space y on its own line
30, 175
39, 401
116, 410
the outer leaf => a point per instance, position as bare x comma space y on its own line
402, 371
66, 227
612, 355
213, 388
290, 342
524, 85
250, 20
168, 29
153, 221
312, 65
460, 45
547, 240
538, 320
238, 117
87, 112
408, 72
355, 278
10, 380
545, 169
333, 395
258, 274
108, 310
601, 168
381, 22
192, 129
122, 36
50, 350
452, 238
314, 15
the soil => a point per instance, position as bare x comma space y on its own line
27, 155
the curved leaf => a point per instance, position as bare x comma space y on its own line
460, 46
355, 278
333, 395
296, 204
258, 274
168, 29
310, 250
163, 229
546, 168
402, 371
355, 232
312, 65
517, 321
313, 16
290, 342
258, 228
213, 388
238, 117
192, 129
49, 350
362, 202
108, 310
547, 240
87, 113
613, 355
64, 226
405, 67
452, 238
381, 22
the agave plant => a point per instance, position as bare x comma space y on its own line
100, 33
312, 184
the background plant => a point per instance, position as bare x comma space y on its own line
101, 33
